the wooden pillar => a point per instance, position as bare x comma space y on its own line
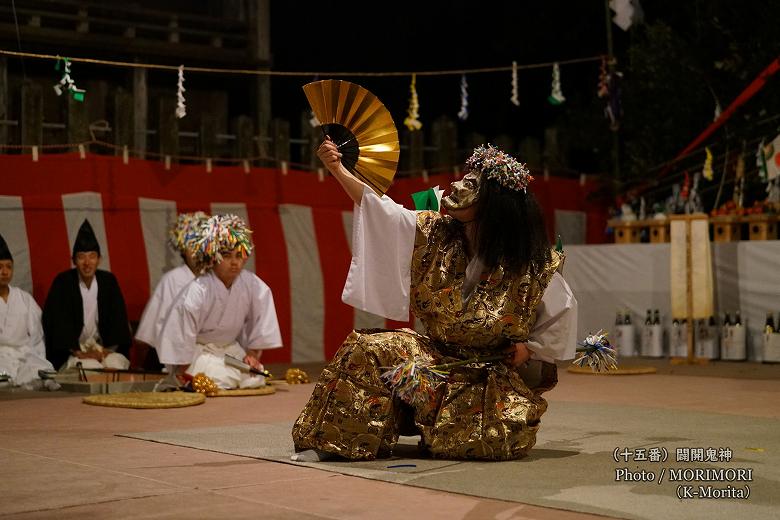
415, 154
32, 114
260, 38
123, 119
313, 135
445, 139
208, 134
531, 153
96, 101
554, 149
281, 143
244, 130
168, 130
140, 111
3, 100
78, 120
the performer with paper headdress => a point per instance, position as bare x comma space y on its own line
183, 238
22, 352
84, 317
483, 281
228, 311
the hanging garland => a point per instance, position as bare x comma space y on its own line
464, 99
181, 110
412, 120
761, 161
706, 171
556, 95
515, 98
67, 82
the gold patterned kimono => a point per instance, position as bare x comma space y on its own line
481, 411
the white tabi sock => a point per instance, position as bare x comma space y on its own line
311, 456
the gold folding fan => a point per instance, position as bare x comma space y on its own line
361, 126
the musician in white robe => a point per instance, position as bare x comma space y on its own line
227, 311
22, 351
171, 284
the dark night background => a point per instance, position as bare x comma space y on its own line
676, 63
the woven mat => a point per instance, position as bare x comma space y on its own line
620, 371
572, 466
147, 399
240, 392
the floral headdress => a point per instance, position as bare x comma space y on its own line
222, 233
186, 229
499, 166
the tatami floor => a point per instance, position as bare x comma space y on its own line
60, 458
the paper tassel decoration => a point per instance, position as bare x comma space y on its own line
67, 83
181, 110
761, 161
514, 99
464, 99
707, 172
415, 381
412, 122
556, 95
718, 111
597, 353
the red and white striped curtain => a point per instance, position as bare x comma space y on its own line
302, 228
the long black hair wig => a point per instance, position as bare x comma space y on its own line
509, 229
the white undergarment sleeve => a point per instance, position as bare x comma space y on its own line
379, 278
554, 335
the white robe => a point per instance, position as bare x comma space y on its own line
168, 289
379, 279
22, 351
89, 297
89, 339
209, 320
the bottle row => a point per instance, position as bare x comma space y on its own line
727, 341
653, 317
